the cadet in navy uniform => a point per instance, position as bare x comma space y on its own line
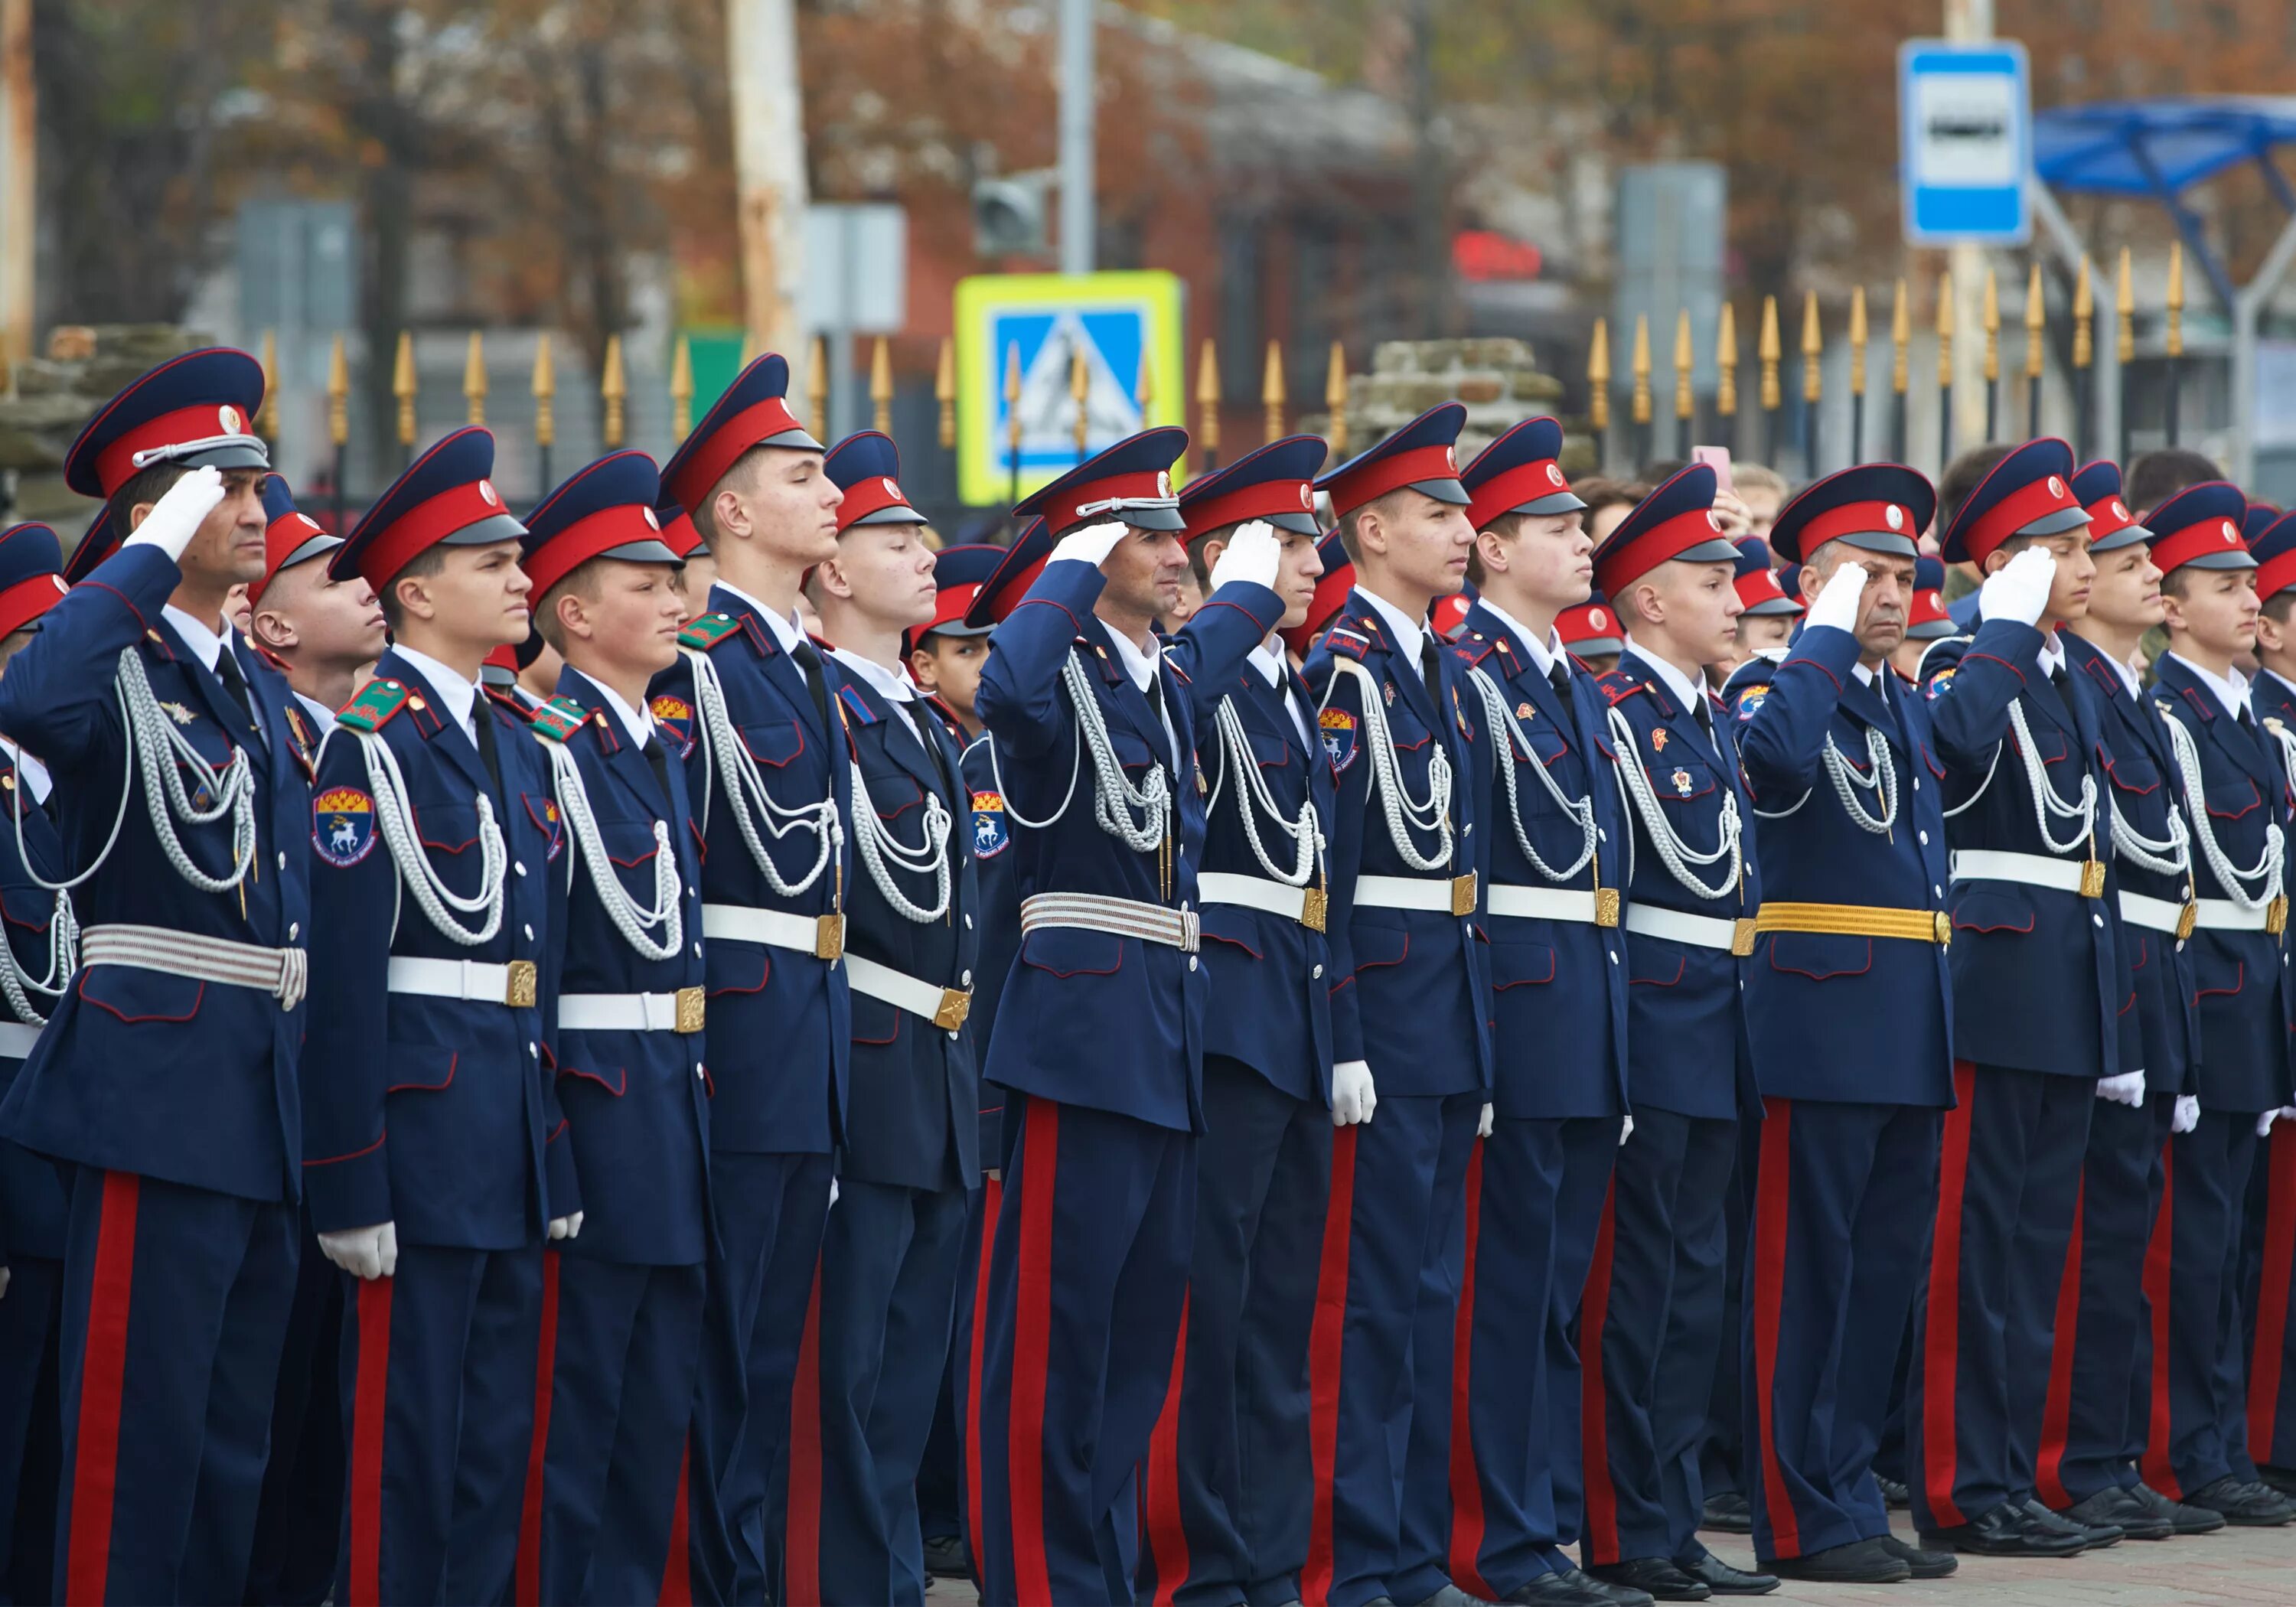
2039, 982
752, 707
1535, 1185
2234, 785
167, 1074
1228, 1477
2094, 1425
1095, 742
1410, 1026
1850, 834
434, 1147
321, 631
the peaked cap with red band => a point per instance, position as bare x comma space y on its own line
2028, 493
1758, 591
2274, 552
1926, 616
1591, 628
604, 511
31, 575
1677, 521
289, 536
2201, 526
1331, 589
1131, 481
754, 411
197, 410
867, 468
2097, 486
1519, 474
1277, 483
1424, 455
1015, 572
678, 531
959, 573
1878, 507
444, 498
2260, 516
1447, 616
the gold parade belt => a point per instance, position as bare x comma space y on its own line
1857, 921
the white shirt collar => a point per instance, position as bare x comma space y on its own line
317, 710
1406, 630
2231, 689
2128, 674
636, 724
2053, 654
788, 630
205, 640
1140, 666
2276, 675
1684, 693
36, 780
1268, 658
457, 693
1544, 655
1862, 672
897, 684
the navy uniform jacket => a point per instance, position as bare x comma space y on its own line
31, 1190
636, 1103
916, 1090
998, 900
2242, 975
438, 1114
1686, 1054
2276, 699
778, 1017
1410, 994
1558, 987
2038, 982
1270, 975
2146, 791
1088, 1018
145, 1072
1804, 990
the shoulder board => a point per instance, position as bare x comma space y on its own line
707, 630
2201, 706
1619, 687
1474, 646
856, 707
558, 719
1347, 643
372, 707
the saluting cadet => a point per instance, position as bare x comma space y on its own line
1228, 1475
1095, 742
1849, 831
1926, 619
751, 706
1766, 615
434, 1145
1536, 1182
2092, 1429
621, 1303
167, 1076
2235, 787
1410, 1027
2039, 985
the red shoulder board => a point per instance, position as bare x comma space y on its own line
1347, 642
1618, 688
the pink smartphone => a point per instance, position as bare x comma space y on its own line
1720, 457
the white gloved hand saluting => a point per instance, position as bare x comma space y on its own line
2019, 589
1836, 604
1625, 1129
1353, 1097
2126, 1089
566, 1228
364, 1253
1483, 1123
1251, 554
2187, 1113
1090, 544
176, 517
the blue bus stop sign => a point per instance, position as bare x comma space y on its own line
1966, 142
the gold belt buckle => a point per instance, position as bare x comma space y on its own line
2092, 879
1741, 936
690, 1009
1462, 894
2275, 915
1314, 909
1606, 907
1943, 923
829, 937
2187, 918
955, 1005
519, 987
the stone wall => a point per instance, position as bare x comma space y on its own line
48, 398
1498, 379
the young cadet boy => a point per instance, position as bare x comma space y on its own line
1410, 1026
2234, 788
321, 631
945, 655
1535, 1185
167, 1074
1228, 1479
434, 1146
621, 1303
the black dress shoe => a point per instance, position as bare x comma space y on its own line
1654, 1576
1894, 1494
1925, 1564
1449, 1595
946, 1557
2248, 1506
1721, 1578
1572, 1588
2113, 1507
1857, 1562
2182, 1519
2280, 1479
2006, 1531
2096, 1536
1729, 1512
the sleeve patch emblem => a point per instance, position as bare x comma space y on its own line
343, 825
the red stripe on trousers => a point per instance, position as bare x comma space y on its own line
992, 1196
1167, 1536
1466, 1486
103, 1373
676, 1577
1032, 1340
1593, 1397
2056, 1417
545, 1371
2158, 1473
367, 1402
1941, 1338
1773, 1179
801, 1565
1326, 1342
2265, 1361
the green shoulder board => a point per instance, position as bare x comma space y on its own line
372, 707
706, 631
558, 719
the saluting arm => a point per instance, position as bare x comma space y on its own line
1020, 698
1970, 718
1780, 746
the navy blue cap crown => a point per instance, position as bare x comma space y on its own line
602, 509
1877, 507
445, 498
1274, 482
197, 410
1130, 481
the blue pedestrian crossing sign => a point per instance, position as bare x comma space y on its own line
1122, 324
1966, 142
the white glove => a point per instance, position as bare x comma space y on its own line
1251, 555
1483, 1122
4, 1282
2264, 1123
2187, 1114
1837, 599
566, 1228
364, 1253
2126, 1089
1625, 1129
176, 517
2019, 589
1353, 1097
1090, 544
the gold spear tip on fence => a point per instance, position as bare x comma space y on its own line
1901, 337
1859, 336
2083, 317
2174, 335
2037, 320
880, 387
1726, 363
613, 388
1013, 395
266, 417
402, 386
1208, 395
545, 392
2124, 292
817, 383
1992, 321
1642, 369
474, 378
1767, 348
1335, 400
1272, 394
338, 393
1686, 403
681, 387
1598, 376
1813, 349
944, 392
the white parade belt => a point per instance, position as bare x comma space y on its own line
2165, 914
1305, 905
2085, 877
821, 936
679, 1012
1440, 895
17, 1040
281, 972
1701, 931
945, 1007
1118, 917
2222, 914
477, 981
1587, 907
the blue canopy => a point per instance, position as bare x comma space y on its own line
2156, 148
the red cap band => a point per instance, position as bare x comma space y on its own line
1928, 607
425, 525
1762, 587
579, 542
2108, 516
2276, 575
699, 475
679, 536
115, 465
1503, 493
2177, 548
1061, 515
1391, 472
1588, 622
872, 494
1617, 567
1331, 589
28, 600
281, 537
1261, 501
951, 605
2046, 496
1857, 519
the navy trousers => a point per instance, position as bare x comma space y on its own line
2269, 1284
770, 1211
1651, 1333
1535, 1191
1087, 1290
1842, 1204
298, 1524
2196, 1430
2009, 1172
968, 1356
868, 1376
29, 1322
174, 1306
1227, 1492
1722, 1453
2087, 1428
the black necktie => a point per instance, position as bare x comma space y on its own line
1705, 717
1559, 678
483, 720
234, 682
2064, 683
2247, 719
1156, 694
658, 762
1430, 666
809, 661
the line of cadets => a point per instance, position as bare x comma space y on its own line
1427, 1067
